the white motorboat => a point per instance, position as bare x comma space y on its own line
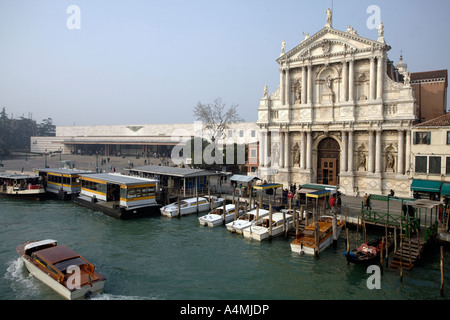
246, 220
261, 229
61, 268
305, 241
189, 206
216, 217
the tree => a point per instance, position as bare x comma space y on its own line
46, 128
215, 119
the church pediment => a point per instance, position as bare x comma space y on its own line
330, 42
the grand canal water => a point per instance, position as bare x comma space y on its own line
159, 258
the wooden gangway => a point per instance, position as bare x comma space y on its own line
417, 224
408, 253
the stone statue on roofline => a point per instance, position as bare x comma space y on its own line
329, 18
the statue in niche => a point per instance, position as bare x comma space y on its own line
297, 90
390, 162
275, 154
283, 47
362, 161
296, 154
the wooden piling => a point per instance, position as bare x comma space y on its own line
316, 240
381, 255
442, 272
224, 203
284, 224
348, 243
270, 220
179, 206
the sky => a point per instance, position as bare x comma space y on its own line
117, 62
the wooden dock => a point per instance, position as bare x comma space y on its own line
408, 254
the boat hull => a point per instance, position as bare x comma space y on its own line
172, 210
297, 248
261, 233
81, 293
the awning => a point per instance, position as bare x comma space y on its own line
306, 190
426, 185
268, 186
318, 194
445, 189
242, 178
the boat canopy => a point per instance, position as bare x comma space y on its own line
40, 243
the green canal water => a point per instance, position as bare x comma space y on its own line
158, 258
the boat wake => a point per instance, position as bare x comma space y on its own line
108, 296
21, 282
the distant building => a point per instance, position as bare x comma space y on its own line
430, 92
430, 160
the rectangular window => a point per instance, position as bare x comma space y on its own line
254, 134
422, 137
253, 153
241, 133
421, 164
435, 165
447, 165
448, 137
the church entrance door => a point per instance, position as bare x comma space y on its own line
328, 162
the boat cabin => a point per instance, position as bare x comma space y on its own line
15, 183
126, 191
63, 182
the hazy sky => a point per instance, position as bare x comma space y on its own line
146, 61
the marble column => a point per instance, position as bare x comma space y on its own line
408, 152
303, 150
266, 149
351, 81
378, 156
401, 152
309, 150
282, 86
350, 151
287, 88
380, 78
281, 146
372, 84
344, 94
303, 85
309, 85
286, 149
261, 148
371, 161
344, 152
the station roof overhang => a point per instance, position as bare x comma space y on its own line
174, 171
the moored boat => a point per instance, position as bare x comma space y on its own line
190, 205
216, 216
246, 220
21, 185
261, 229
61, 268
305, 241
368, 252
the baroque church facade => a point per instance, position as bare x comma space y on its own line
341, 115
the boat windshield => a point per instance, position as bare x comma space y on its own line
63, 265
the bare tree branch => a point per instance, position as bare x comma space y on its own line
214, 119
